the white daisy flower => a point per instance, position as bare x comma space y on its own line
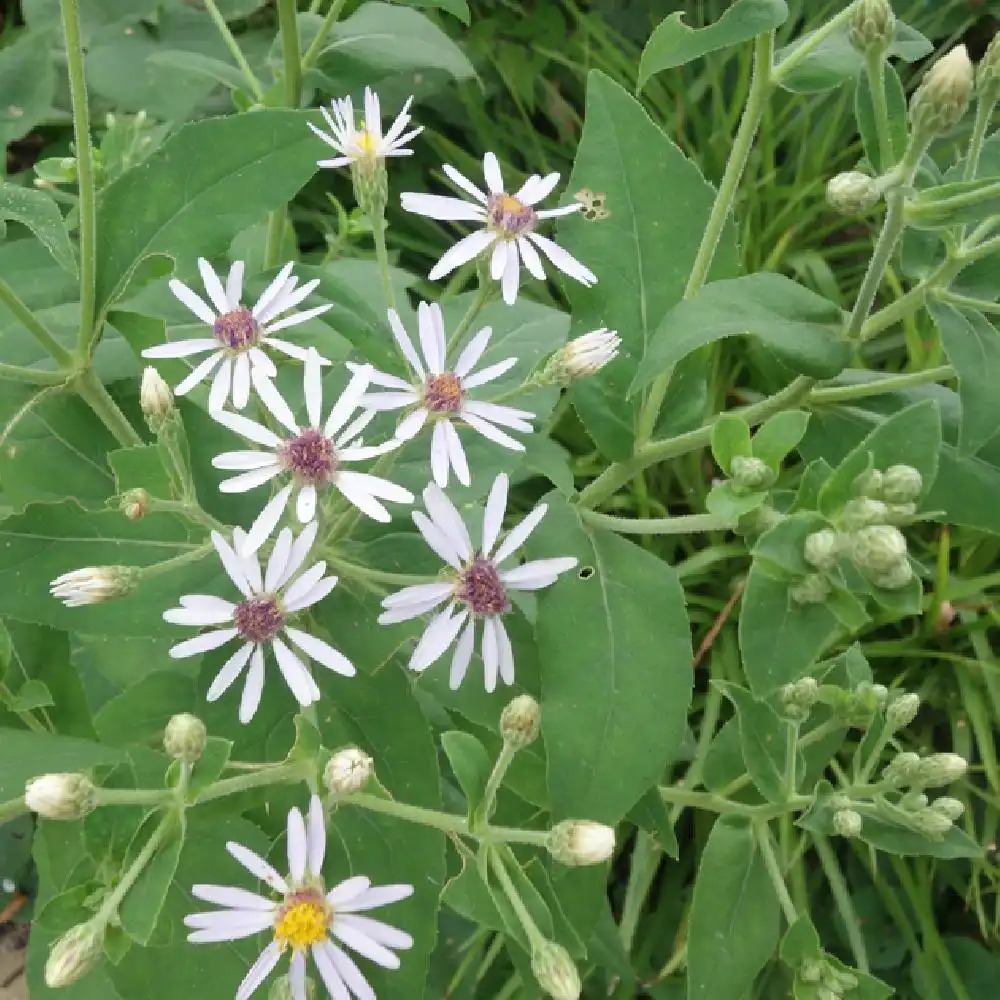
366, 143
442, 394
476, 588
306, 918
270, 599
314, 455
238, 334
509, 223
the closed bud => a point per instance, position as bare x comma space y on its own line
810, 971
825, 993
185, 737
798, 698
582, 357
901, 484
577, 842
846, 823
555, 971
949, 807
940, 769
988, 74
872, 25
942, 98
520, 721
74, 954
852, 193
862, 512
945, 616
749, 474
134, 504
811, 589
902, 768
60, 796
94, 585
900, 513
348, 771
878, 548
868, 484
371, 186
894, 578
821, 549
934, 824
155, 398
913, 801
901, 711
841, 982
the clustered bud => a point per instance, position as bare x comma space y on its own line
520, 721
60, 796
577, 842
155, 398
348, 771
94, 585
872, 25
852, 193
749, 474
811, 589
942, 98
847, 823
822, 548
581, 358
555, 971
185, 737
901, 711
74, 954
939, 769
798, 698
947, 806
862, 512
902, 769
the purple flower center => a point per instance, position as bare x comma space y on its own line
237, 330
259, 618
310, 456
443, 393
510, 217
481, 588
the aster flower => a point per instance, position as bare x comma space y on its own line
366, 143
238, 334
257, 621
476, 588
313, 455
508, 226
306, 919
441, 393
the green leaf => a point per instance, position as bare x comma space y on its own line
734, 914
673, 43
800, 943
972, 344
802, 328
25, 755
730, 437
615, 653
141, 906
651, 813
30, 695
208, 181
198, 64
779, 435
28, 84
642, 253
210, 765
471, 764
38, 211
726, 501
140, 713
763, 740
954, 204
864, 112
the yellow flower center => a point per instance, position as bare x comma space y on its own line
365, 141
303, 920
509, 217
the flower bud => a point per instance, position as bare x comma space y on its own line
750, 473
577, 842
988, 74
901, 711
821, 549
371, 186
901, 484
872, 25
60, 796
94, 585
582, 357
934, 824
847, 823
810, 971
942, 98
839, 982
861, 512
895, 578
185, 737
940, 769
868, 484
555, 971
878, 548
74, 954
902, 768
798, 698
811, 589
899, 513
826, 993
155, 398
913, 801
852, 193
947, 806
520, 721
348, 771
134, 504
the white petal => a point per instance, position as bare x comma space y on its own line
249, 480
386, 401
305, 503
405, 344
417, 594
536, 188
289, 298
300, 549
506, 652
314, 596
259, 971
227, 895
231, 930
356, 494
261, 529
348, 402
202, 643
531, 259
243, 460
297, 976
566, 262
296, 674
249, 563
511, 275
328, 971
411, 424
347, 890
296, 844
491, 653
472, 352
460, 180
438, 541
231, 669
439, 454
378, 931
407, 612
199, 616
213, 286
456, 454
227, 919
377, 486
447, 518
257, 866
441, 208
272, 290
292, 350
554, 213
380, 895
231, 563
234, 285
197, 374
496, 507
463, 655
247, 428
498, 259
507, 416
384, 380
489, 374
221, 385
364, 945
275, 403
295, 319
313, 388
431, 341
253, 686
322, 652
305, 582
193, 301
438, 636
181, 348
315, 836
489, 431
261, 364
537, 574
350, 973
491, 171
278, 560
519, 534
462, 252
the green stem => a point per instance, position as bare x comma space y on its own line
18, 373
682, 525
234, 50
483, 294
35, 327
711, 802
192, 511
810, 44
760, 88
133, 796
316, 45
968, 302
980, 250
984, 112
91, 390
273, 238
12, 808
157, 569
535, 936
278, 774
842, 897
371, 575
382, 256
875, 67
763, 835
791, 752
110, 906
873, 758
291, 51
619, 473
85, 174
821, 732
503, 761
877, 387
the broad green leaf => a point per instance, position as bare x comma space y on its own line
459, 8
25, 755
471, 764
864, 112
778, 436
673, 43
27, 83
651, 813
763, 739
615, 654
734, 914
641, 253
201, 65
208, 181
142, 905
730, 437
38, 211
802, 328
140, 713
972, 344
30, 695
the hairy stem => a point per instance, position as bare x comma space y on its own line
875, 67
770, 859
877, 387
682, 525
291, 51
319, 40
842, 897
35, 327
91, 390
33, 376
382, 256
234, 50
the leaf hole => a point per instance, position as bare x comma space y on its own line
586, 572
